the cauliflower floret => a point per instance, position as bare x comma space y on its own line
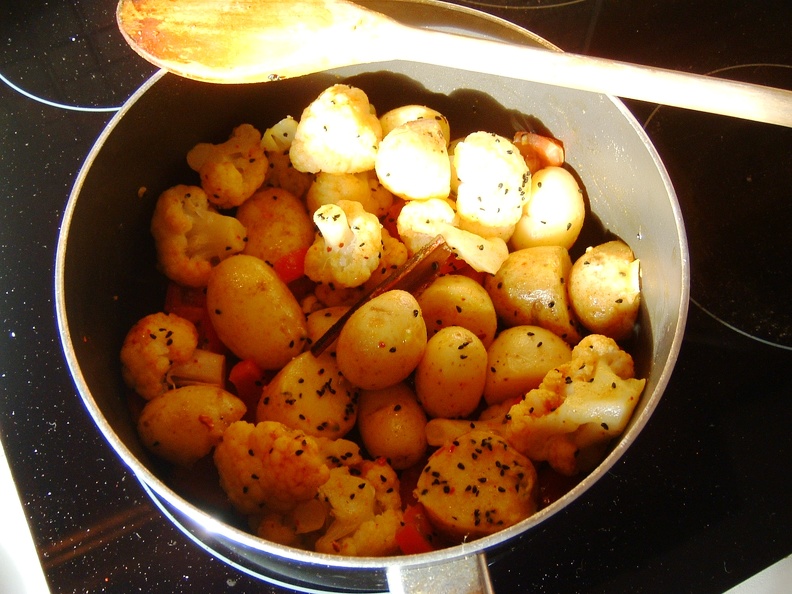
421, 220
268, 466
394, 255
348, 246
338, 133
359, 524
373, 538
412, 161
231, 171
160, 352
276, 142
364, 187
339, 452
493, 184
579, 406
191, 237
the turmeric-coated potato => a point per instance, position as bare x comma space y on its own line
519, 359
392, 425
185, 424
476, 485
605, 289
382, 342
254, 313
530, 289
321, 320
277, 224
554, 213
409, 113
311, 395
458, 300
449, 380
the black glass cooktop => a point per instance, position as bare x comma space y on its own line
702, 500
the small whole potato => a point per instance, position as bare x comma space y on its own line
409, 113
530, 289
554, 213
519, 359
382, 342
311, 395
321, 320
392, 425
254, 313
605, 289
458, 300
185, 424
449, 380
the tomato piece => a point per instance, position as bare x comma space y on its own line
291, 266
539, 151
417, 533
248, 380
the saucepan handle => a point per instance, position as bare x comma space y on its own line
461, 575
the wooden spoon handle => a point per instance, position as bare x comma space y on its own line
654, 85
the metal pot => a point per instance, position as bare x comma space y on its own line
106, 277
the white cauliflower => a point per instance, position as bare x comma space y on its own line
421, 220
338, 133
191, 237
160, 353
268, 466
493, 184
579, 407
361, 521
394, 255
348, 247
276, 142
412, 161
230, 171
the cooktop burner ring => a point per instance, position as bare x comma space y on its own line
732, 179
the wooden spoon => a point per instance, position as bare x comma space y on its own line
247, 41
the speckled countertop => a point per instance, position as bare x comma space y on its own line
700, 502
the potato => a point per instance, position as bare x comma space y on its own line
518, 360
185, 424
321, 320
311, 395
605, 289
277, 224
392, 424
554, 213
254, 313
382, 342
364, 187
476, 485
409, 113
530, 289
457, 300
449, 380
412, 161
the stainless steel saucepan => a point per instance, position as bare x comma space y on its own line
106, 277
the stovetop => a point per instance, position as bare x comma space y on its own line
699, 503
